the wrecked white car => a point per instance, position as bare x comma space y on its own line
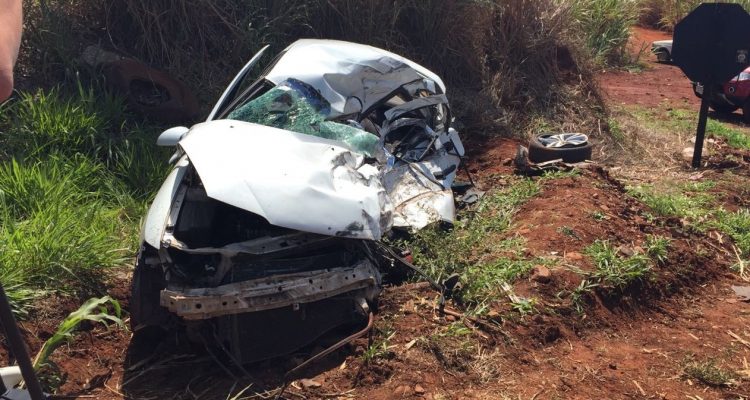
263, 235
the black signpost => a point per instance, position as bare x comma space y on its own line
711, 46
15, 342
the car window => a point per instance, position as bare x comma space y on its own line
296, 106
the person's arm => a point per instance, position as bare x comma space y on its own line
10, 40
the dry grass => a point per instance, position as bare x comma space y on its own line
665, 14
508, 64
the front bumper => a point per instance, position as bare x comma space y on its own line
271, 292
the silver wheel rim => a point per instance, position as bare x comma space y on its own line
563, 140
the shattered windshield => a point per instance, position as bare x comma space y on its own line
296, 106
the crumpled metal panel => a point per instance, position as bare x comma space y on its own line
293, 180
342, 70
419, 198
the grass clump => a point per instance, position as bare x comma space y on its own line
74, 181
614, 271
708, 373
737, 226
675, 203
687, 120
474, 247
657, 247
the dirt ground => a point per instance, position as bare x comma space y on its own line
659, 85
632, 345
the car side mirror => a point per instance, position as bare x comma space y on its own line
171, 136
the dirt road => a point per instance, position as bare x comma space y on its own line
658, 85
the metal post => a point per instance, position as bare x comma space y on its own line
18, 348
708, 92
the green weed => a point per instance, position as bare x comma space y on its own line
524, 306
568, 231
615, 130
737, 226
94, 310
687, 120
380, 347
47, 122
673, 203
580, 293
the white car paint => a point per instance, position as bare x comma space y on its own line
342, 70
293, 180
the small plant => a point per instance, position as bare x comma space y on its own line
695, 208
456, 329
379, 348
568, 231
94, 310
598, 215
524, 306
615, 130
709, 373
657, 247
577, 297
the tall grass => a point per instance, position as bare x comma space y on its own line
504, 61
666, 14
74, 181
606, 25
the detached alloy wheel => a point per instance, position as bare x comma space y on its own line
570, 147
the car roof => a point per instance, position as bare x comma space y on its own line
340, 70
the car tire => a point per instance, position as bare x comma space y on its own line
723, 108
146, 286
539, 153
662, 56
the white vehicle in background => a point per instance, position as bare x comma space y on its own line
266, 234
663, 50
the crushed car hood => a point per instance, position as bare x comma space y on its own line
352, 77
293, 180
